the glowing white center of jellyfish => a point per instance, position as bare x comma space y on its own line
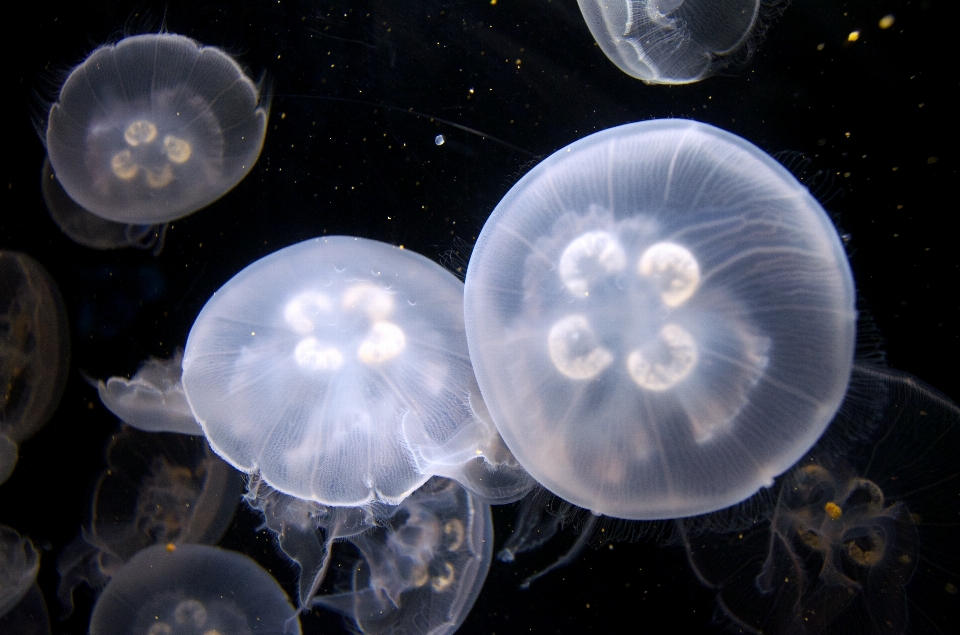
307, 313
385, 341
311, 353
673, 269
588, 257
575, 349
666, 362
302, 311
369, 298
143, 133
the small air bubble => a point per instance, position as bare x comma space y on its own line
439, 140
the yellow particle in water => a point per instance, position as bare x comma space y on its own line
886, 21
833, 510
854, 36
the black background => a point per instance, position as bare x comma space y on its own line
360, 90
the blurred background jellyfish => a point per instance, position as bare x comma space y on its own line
34, 352
421, 569
661, 320
192, 590
859, 541
337, 369
22, 608
153, 128
152, 400
90, 230
672, 41
157, 489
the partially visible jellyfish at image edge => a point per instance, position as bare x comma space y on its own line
153, 128
673, 41
157, 489
22, 608
661, 320
34, 352
862, 540
192, 590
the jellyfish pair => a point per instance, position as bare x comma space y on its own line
149, 130
335, 373
34, 352
157, 489
672, 41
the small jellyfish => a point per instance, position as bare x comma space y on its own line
421, 569
152, 400
90, 230
661, 320
19, 564
157, 489
153, 128
337, 369
672, 41
34, 352
22, 609
192, 589
860, 542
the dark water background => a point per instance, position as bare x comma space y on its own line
350, 150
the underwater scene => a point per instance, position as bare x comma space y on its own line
479, 316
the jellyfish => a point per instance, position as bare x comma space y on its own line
192, 589
90, 230
860, 541
22, 609
34, 352
421, 569
19, 564
158, 488
153, 400
337, 370
672, 41
661, 320
154, 128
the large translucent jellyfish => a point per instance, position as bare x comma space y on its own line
152, 400
153, 128
421, 569
157, 489
337, 369
860, 541
192, 589
34, 352
661, 320
671, 41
